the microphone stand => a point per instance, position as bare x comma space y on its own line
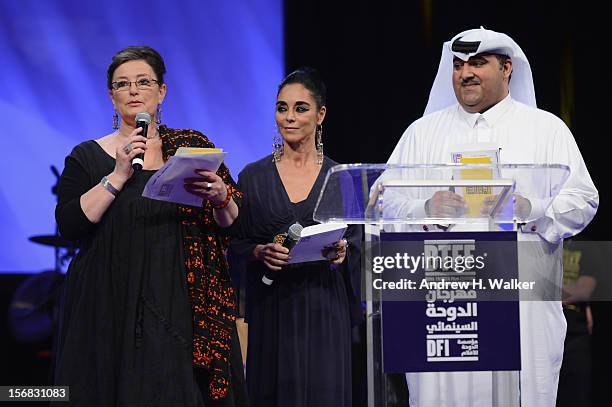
54, 192
60, 260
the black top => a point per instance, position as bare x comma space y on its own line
299, 351
126, 334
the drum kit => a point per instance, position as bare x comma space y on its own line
65, 249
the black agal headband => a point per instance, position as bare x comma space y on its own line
465, 47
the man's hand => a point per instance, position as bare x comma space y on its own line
445, 204
522, 207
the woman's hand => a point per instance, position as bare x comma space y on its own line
337, 252
209, 186
96, 201
273, 255
123, 157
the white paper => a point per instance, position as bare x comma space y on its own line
167, 184
314, 239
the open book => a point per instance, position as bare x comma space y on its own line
314, 239
167, 183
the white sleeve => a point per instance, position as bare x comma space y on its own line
577, 202
403, 204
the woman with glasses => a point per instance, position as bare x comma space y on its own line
149, 309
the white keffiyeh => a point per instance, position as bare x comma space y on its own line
521, 85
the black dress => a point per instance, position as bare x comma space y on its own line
299, 350
125, 337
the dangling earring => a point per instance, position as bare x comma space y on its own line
115, 120
277, 147
158, 115
319, 143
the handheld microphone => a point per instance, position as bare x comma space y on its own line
293, 236
142, 120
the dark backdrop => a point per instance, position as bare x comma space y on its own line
379, 60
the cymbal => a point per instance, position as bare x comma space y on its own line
52, 240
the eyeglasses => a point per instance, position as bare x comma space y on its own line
142, 84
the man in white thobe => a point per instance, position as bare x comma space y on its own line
474, 100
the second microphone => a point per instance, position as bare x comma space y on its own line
293, 236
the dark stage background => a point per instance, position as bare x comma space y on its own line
379, 60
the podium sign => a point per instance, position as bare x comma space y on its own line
449, 303
445, 328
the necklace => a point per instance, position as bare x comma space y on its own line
156, 135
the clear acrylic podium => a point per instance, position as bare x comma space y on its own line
392, 198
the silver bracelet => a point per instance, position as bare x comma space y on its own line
108, 186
